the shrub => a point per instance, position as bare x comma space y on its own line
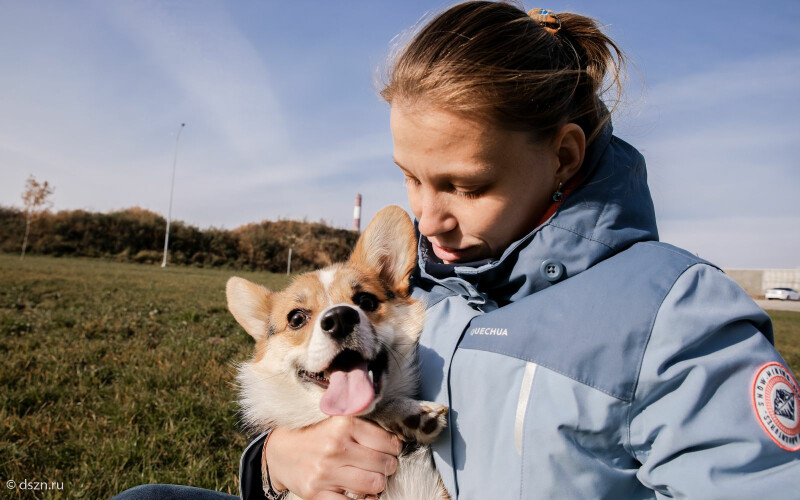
137, 235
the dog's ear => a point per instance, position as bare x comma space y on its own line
389, 247
250, 304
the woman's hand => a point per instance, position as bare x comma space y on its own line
339, 454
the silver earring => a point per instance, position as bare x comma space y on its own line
558, 194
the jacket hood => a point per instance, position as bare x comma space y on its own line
608, 211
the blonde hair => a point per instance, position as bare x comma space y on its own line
493, 60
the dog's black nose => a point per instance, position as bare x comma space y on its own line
339, 321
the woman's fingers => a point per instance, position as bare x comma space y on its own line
362, 444
370, 460
360, 481
373, 436
336, 455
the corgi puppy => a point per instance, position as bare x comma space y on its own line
342, 341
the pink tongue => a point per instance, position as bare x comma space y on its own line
349, 392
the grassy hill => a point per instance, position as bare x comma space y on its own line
137, 235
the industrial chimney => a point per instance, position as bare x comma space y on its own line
357, 214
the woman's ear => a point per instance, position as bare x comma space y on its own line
570, 144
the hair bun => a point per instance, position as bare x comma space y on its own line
548, 19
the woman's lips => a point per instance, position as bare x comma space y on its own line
449, 254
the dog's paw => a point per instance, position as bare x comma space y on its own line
412, 420
423, 422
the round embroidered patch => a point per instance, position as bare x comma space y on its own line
776, 400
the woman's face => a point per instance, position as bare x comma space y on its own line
475, 188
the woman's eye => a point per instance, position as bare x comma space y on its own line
411, 181
468, 193
367, 301
297, 319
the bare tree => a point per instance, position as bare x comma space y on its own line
35, 200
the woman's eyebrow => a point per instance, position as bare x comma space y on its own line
481, 172
404, 169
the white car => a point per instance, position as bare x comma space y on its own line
782, 294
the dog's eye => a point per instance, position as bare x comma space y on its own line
366, 301
297, 319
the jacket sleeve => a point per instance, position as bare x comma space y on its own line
693, 423
250, 483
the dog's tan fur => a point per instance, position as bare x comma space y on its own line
274, 394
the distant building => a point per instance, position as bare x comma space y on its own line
758, 281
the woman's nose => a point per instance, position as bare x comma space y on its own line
434, 216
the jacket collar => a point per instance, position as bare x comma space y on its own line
609, 210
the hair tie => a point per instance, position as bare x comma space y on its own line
548, 19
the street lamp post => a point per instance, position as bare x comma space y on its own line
171, 191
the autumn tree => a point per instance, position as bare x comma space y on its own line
35, 200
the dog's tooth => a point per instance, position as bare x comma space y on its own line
371, 377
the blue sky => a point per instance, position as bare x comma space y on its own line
283, 117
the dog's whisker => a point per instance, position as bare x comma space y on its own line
392, 352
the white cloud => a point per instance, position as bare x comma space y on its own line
214, 66
745, 82
98, 103
721, 154
316, 185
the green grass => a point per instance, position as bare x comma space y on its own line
786, 325
115, 375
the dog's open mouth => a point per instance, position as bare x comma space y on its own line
350, 382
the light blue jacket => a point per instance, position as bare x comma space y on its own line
592, 361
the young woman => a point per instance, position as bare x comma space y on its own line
580, 357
